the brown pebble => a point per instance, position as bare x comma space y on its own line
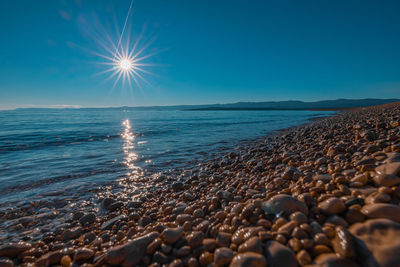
223, 256
344, 244
381, 210
206, 258
171, 235
321, 239
279, 255
332, 206
195, 239
248, 259
210, 244
82, 254
253, 244
303, 257
320, 249
298, 217
131, 252
223, 239
66, 261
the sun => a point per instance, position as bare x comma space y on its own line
125, 64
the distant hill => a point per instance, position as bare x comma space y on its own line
299, 105
269, 105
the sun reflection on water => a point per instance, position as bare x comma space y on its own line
129, 146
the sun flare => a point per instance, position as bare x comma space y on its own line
125, 64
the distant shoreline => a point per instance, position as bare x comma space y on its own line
269, 109
322, 105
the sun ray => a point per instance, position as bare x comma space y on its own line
125, 58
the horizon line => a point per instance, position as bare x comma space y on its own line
65, 106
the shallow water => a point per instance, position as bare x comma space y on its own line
48, 149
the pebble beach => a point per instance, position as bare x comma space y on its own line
322, 194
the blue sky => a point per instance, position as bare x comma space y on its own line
206, 51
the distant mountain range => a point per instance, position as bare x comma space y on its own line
279, 105
275, 105
300, 105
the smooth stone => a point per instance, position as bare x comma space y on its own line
177, 186
382, 210
389, 168
82, 254
160, 257
223, 256
181, 252
153, 246
195, 239
361, 178
285, 203
323, 177
65, 261
299, 218
243, 234
382, 238
50, 258
171, 235
224, 239
210, 244
279, 255
71, 233
337, 220
333, 260
383, 179
107, 225
87, 219
248, 259
332, 206
253, 244
12, 250
343, 243
303, 257
130, 253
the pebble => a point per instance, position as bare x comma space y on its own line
248, 259
383, 179
279, 255
389, 169
344, 244
12, 250
107, 225
285, 203
381, 236
195, 239
223, 256
66, 261
332, 206
303, 257
83, 254
131, 252
87, 219
382, 210
330, 259
253, 244
171, 235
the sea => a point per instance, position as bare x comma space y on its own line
45, 150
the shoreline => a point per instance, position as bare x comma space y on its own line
303, 192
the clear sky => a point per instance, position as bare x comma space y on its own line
206, 51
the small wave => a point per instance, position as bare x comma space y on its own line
45, 182
51, 142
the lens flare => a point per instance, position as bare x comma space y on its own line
127, 59
125, 64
